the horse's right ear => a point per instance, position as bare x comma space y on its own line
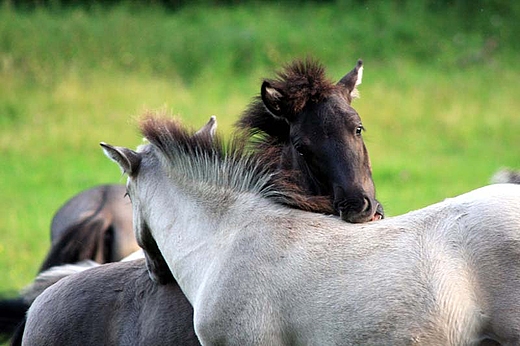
209, 129
127, 159
274, 100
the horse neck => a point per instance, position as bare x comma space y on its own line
300, 172
190, 228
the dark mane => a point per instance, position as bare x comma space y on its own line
83, 239
301, 82
177, 141
79, 242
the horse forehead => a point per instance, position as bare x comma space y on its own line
337, 106
329, 118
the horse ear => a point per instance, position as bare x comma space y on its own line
274, 100
352, 79
209, 129
127, 159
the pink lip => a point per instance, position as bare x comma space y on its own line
376, 217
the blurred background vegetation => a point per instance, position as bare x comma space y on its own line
440, 94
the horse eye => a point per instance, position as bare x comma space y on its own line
359, 129
300, 150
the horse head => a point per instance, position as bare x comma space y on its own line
320, 134
130, 161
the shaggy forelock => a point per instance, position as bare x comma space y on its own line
205, 159
302, 82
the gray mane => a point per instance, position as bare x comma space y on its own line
211, 163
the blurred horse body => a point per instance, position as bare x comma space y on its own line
95, 224
504, 176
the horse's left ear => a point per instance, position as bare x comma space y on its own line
274, 100
127, 159
352, 80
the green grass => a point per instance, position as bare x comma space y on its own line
439, 95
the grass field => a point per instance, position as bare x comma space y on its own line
439, 96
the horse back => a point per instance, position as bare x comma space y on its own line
492, 245
448, 274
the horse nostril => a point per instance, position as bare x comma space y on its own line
367, 206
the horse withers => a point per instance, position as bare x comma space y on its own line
257, 272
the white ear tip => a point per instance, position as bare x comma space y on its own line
360, 76
209, 128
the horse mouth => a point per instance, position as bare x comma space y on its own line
359, 211
378, 214
368, 215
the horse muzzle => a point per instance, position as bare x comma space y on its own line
360, 211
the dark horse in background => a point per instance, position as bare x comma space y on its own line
95, 224
308, 134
